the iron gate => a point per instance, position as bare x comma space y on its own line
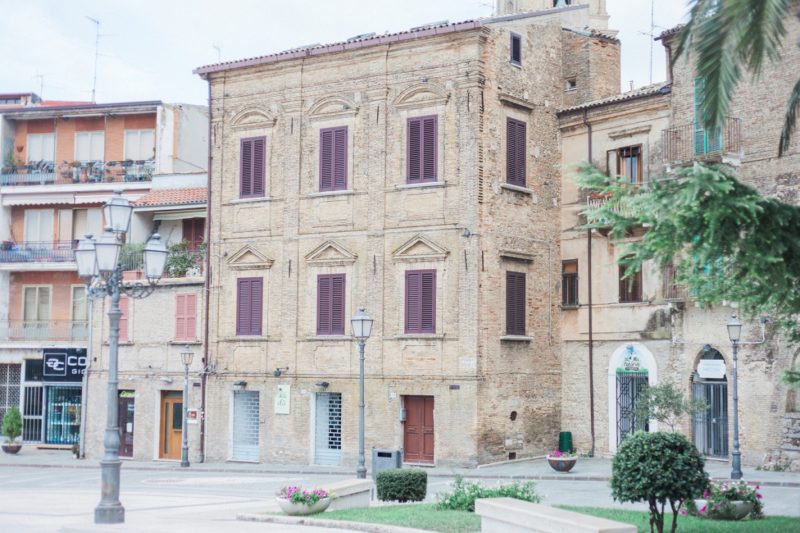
629, 387
711, 426
328, 439
245, 426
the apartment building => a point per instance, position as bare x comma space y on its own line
417, 175
61, 163
619, 337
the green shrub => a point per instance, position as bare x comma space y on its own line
464, 494
403, 485
12, 424
658, 468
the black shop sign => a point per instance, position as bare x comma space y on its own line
63, 364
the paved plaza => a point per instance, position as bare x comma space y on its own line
49, 491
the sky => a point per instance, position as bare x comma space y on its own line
148, 49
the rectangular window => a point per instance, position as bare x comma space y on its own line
515, 152
124, 306
185, 317
333, 159
41, 147
252, 167
330, 304
516, 49
249, 294
194, 232
421, 148
630, 289
36, 306
629, 163
140, 145
90, 146
569, 283
420, 301
515, 303
39, 227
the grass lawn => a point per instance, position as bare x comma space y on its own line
691, 524
423, 516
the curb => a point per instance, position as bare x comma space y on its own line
321, 522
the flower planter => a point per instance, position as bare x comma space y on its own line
562, 464
301, 509
11, 448
737, 510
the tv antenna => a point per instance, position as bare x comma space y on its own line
218, 48
96, 53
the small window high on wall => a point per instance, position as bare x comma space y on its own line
516, 49
569, 283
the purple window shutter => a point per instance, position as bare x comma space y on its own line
326, 160
429, 143
259, 165
337, 304
246, 173
428, 302
323, 305
243, 307
520, 158
256, 307
413, 284
515, 152
333, 159
340, 159
515, 303
414, 150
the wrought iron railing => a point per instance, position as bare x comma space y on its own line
691, 142
180, 263
624, 206
44, 330
37, 252
46, 172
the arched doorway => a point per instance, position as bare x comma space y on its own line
631, 369
709, 383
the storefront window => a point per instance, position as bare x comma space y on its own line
63, 414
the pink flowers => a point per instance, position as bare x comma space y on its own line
297, 494
702, 510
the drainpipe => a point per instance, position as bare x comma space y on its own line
85, 381
206, 293
589, 306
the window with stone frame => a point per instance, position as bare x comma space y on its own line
630, 289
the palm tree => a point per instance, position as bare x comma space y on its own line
731, 37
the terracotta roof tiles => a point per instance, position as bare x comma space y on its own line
160, 197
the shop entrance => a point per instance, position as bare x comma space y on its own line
126, 411
171, 420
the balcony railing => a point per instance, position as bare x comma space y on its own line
180, 263
37, 252
43, 330
623, 206
690, 142
46, 172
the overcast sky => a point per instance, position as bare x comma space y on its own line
149, 48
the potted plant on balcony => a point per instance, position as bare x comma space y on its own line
12, 429
562, 461
297, 501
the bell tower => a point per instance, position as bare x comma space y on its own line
598, 16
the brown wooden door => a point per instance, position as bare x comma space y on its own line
126, 412
171, 421
418, 437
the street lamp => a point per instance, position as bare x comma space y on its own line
362, 327
98, 266
735, 335
186, 358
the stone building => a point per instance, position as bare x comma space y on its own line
415, 174
617, 337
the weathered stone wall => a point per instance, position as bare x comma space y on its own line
593, 62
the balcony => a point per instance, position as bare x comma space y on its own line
43, 330
181, 262
625, 206
690, 142
37, 252
48, 172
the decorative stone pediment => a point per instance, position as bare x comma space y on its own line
248, 258
252, 118
419, 248
330, 253
422, 95
332, 107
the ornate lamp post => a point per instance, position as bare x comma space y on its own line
98, 267
186, 358
735, 335
362, 327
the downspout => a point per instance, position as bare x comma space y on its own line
589, 295
206, 294
85, 380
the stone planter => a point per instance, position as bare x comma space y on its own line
301, 509
739, 510
562, 464
11, 448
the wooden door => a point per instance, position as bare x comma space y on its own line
126, 412
418, 433
171, 421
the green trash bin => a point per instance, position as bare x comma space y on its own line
565, 441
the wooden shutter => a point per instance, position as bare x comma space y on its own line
180, 317
249, 306
333, 159
337, 304
123, 319
420, 301
340, 159
256, 305
422, 149
414, 150
429, 148
326, 160
246, 171
330, 304
323, 305
259, 165
515, 152
515, 303
252, 167
185, 317
612, 163
194, 232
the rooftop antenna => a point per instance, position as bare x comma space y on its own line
41, 84
96, 53
218, 48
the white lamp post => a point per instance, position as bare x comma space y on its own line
362, 328
98, 266
186, 358
735, 335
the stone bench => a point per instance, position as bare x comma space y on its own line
508, 515
350, 493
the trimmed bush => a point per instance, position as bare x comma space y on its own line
12, 424
464, 494
658, 468
402, 485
